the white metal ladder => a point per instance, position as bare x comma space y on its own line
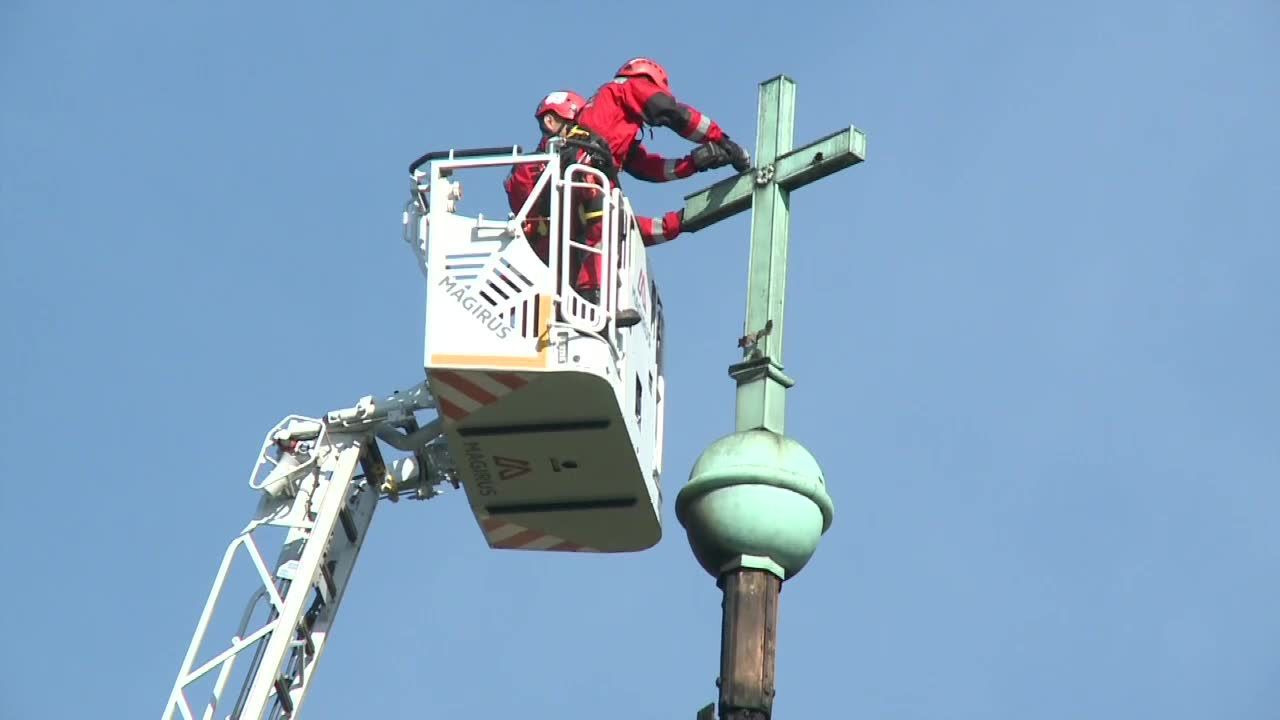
314, 493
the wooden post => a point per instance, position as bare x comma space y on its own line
748, 642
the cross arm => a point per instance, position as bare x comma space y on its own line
795, 169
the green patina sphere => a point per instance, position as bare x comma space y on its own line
755, 493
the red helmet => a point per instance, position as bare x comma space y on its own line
564, 103
644, 67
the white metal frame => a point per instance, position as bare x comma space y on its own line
627, 243
441, 194
314, 492
583, 315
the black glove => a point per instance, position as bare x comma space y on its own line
737, 156
586, 154
708, 156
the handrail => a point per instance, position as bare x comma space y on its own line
608, 235
464, 153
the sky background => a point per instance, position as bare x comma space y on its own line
1035, 335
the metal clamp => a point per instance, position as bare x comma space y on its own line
750, 341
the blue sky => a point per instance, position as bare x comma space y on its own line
1036, 337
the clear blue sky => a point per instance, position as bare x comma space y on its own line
1036, 337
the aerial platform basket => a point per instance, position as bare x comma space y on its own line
552, 411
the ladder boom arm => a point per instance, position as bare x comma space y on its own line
323, 490
319, 581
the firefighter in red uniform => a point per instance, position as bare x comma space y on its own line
555, 115
605, 136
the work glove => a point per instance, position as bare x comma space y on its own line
738, 157
708, 156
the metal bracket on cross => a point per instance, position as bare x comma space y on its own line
750, 341
766, 192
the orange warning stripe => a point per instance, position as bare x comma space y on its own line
519, 540
523, 538
449, 410
515, 382
468, 388
461, 393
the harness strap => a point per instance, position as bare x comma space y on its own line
597, 149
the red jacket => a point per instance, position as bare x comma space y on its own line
641, 164
620, 108
520, 182
655, 232
651, 167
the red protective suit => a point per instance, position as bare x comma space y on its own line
641, 164
651, 167
612, 120
621, 107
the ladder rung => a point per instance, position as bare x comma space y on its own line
331, 588
282, 694
348, 525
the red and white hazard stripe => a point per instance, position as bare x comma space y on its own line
509, 536
460, 393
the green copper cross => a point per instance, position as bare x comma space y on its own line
767, 192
